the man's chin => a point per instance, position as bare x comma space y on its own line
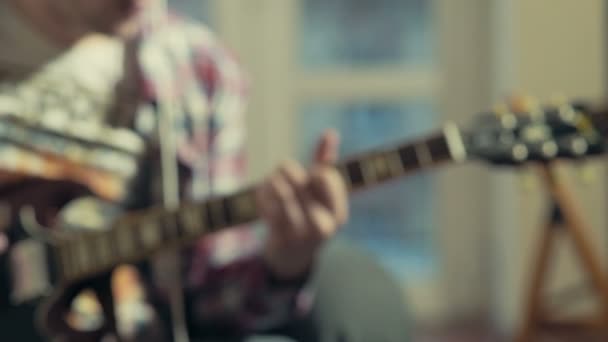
126, 29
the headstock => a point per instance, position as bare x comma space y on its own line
526, 132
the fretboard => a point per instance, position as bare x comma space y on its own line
137, 236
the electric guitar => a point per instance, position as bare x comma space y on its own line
84, 259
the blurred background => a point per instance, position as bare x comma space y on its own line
462, 239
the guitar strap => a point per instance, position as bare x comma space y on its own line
168, 265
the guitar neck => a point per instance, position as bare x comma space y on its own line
137, 236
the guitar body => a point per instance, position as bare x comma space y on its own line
52, 314
60, 208
53, 179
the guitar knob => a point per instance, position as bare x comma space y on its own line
572, 147
519, 152
524, 104
501, 109
498, 122
543, 151
562, 120
504, 154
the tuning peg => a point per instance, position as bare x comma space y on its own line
501, 109
562, 110
500, 122
508, 121
504, 154
572, 147
525, 104
543, 150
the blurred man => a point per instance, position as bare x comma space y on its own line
123, 53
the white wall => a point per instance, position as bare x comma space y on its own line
463, 195
542, 47
488, 49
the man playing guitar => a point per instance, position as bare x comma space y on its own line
109, 65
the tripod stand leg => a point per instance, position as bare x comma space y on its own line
533, 309
577, 228
567, 216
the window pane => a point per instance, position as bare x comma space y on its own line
364, 32
394, 221
195, 9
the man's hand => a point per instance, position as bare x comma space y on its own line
303, 208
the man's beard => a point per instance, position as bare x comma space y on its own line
118, 21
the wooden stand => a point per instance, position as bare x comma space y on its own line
565, 219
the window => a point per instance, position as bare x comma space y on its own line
364, 33
194, 9
377, 71
394, 221
369, 67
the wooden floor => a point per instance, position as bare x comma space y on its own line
459, 335
484, 334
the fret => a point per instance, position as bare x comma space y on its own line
82, 255
214, 209
371, 169
169, 225
208, 216
394, 163
369, 173
343, 171
65, 260
409, 158
72, 261
354, 172
241, 207
380, 164
190, 219
150, 232
61, 256
223, 211
423, 154
125, 240
438, 148
103, 247
376, 168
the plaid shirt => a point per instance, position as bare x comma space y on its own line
183, 66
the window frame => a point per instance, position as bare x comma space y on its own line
262, 34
